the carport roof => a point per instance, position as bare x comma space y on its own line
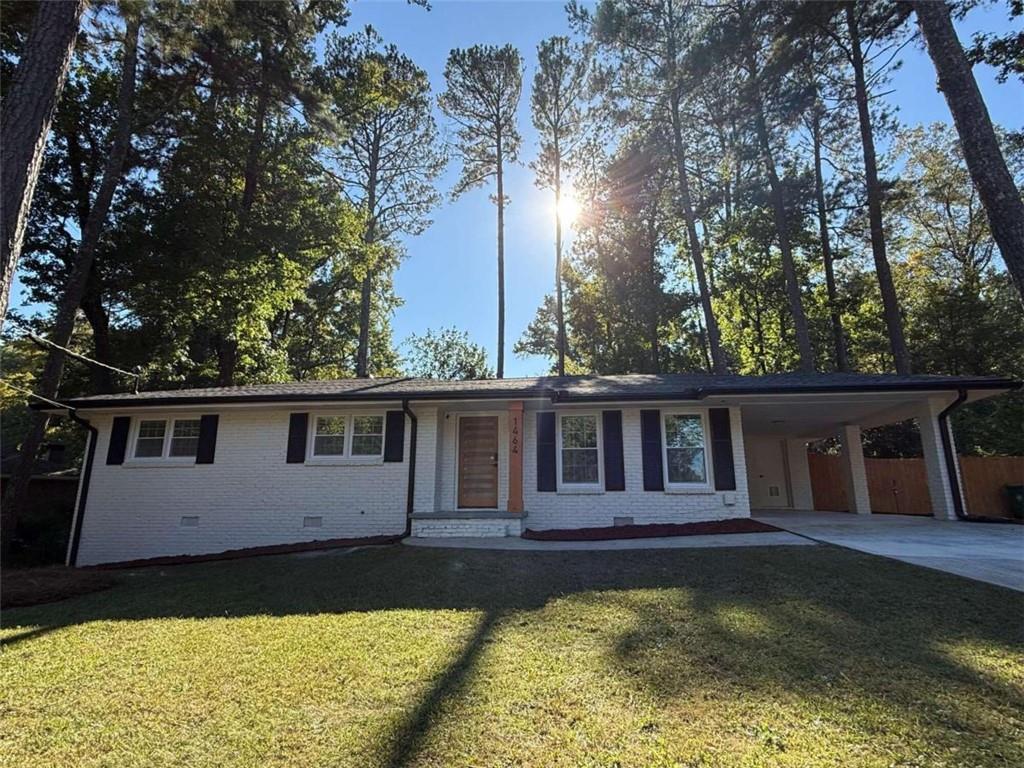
630, 387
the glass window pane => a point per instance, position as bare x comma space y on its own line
152, 428
185, 437
686, 465
329, 445
150, 441
148, 447
368, 425
579, 466
684, 431
184, 446
330, 425
579, 432
367, 445
186, 428
330, 436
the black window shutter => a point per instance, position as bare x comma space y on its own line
118, 439
614, 469
207, 438
394, 436
298, 424
546, 466
721, 450
650, 444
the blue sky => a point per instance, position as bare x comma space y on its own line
449, 276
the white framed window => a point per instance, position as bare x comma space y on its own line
185, 438
579, 452
329, 435
163, 438
685, 449
149, 441
337, 437
368, 435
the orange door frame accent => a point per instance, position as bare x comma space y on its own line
515, 456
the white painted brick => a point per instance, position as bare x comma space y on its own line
549, 510
252, 497
477, 527
248, 497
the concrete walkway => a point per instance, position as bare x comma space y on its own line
667, 542
982, 551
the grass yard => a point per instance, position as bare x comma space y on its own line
395, 656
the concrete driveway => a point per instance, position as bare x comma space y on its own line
982, 551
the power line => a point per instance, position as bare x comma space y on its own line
30, 393
134, 375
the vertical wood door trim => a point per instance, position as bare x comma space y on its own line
464, 500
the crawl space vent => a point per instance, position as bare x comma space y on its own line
190, 521
312, 522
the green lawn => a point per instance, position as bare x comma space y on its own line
398, 656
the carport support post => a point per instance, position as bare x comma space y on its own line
854, 470
799, 474
939, 488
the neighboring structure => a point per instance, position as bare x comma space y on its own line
207, 470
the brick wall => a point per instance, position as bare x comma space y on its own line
442, 527
577, 510
249, 497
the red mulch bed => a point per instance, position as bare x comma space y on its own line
736, 525
235, 554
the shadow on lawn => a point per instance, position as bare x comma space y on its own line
820, 622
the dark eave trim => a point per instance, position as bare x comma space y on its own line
398, 397
555, 395
702, 393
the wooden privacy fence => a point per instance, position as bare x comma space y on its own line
900, 486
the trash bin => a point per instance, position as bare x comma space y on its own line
1015, 493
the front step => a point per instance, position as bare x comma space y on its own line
466, 524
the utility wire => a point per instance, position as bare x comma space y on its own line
134, 375
30, 393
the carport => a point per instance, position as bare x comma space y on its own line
778, 428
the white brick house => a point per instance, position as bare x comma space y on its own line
203, 471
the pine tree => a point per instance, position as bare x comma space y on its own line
484, 84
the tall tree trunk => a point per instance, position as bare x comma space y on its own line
28, 108
890, 302
653, 312
796, 305
74, 291
366, 289
501, 257
559, 312
99, 322
838, 337
696, 253
226, 348
251, 175
998, 192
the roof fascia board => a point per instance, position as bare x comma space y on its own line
555, 395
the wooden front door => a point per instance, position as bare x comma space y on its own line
478, 462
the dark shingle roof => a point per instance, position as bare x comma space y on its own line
674, 386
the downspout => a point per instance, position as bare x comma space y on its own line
951, 465
411, 484
83, 486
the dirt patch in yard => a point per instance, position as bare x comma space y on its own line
31, 586
736, 525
